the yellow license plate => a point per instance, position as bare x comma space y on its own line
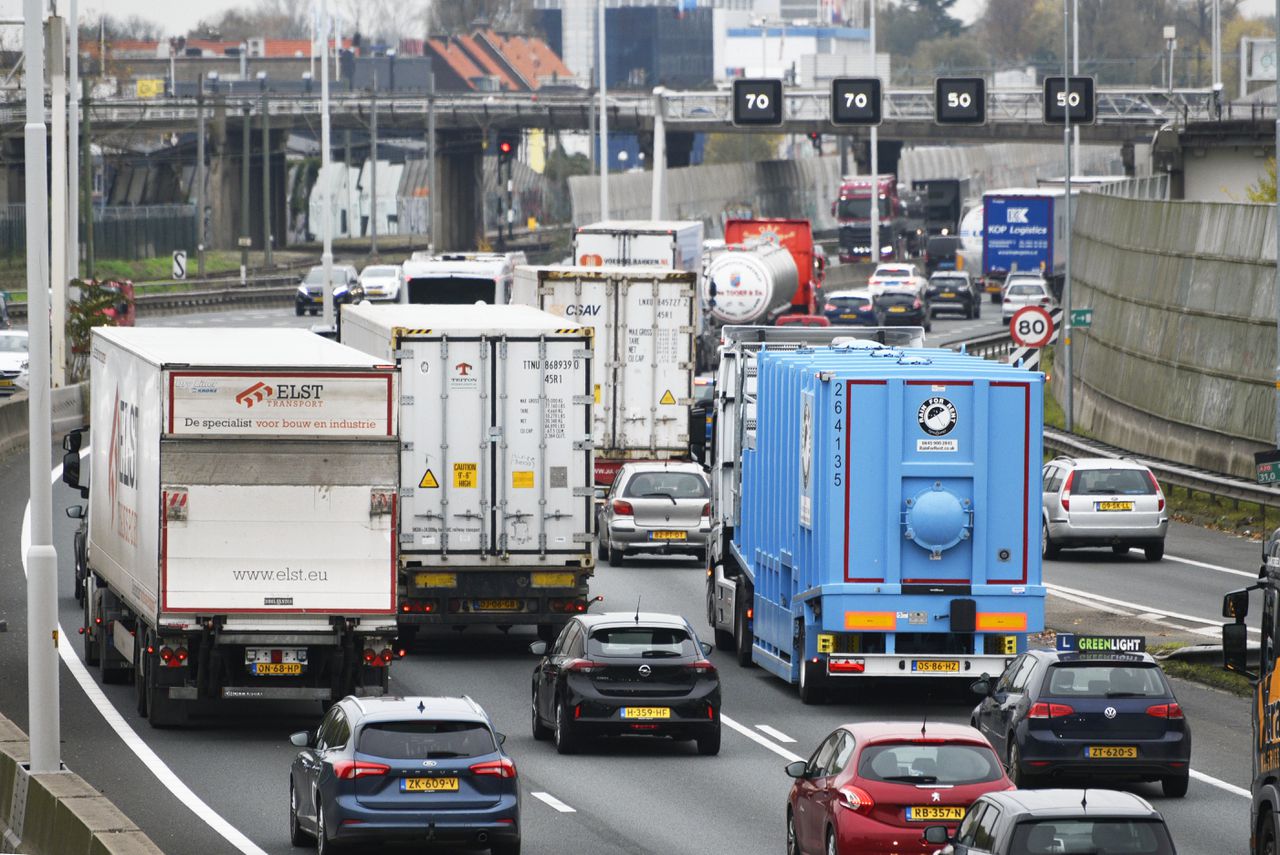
948, 293
497, 605
935, 666
668, 535
1111, 752
849, 317
5, 382
436, 580
428, 785
897, 309
930, 813
1115, 506
552, 580
277, 669
646, 713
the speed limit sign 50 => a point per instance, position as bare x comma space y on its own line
1031, 326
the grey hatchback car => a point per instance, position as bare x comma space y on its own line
656, 506
1102, 501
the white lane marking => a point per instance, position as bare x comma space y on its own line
1222, 785
1098, 598
1081, 601
757, 738
127, 734
554, 802
1217, 567
776, 734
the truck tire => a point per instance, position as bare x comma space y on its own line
90, 643
1266, 835
140, 660
112, 673
724, 638
162, 710
742, 637
811, 691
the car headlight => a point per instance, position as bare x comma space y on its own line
303, 292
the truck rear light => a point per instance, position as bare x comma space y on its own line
386, 656
1047, 710
166, 655
369, 656
583, 666
750, 613
1170, 711
381, 501
855, 799
348, 770
180, 654
503, 768
846, 666
622, 508
1155, 485
425, 607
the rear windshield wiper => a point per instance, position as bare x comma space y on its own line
442, 755
911, 779
656, 495
659, 654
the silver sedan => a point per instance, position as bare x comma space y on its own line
656, 506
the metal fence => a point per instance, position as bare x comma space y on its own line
127, 233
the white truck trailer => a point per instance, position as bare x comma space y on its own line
643, 321
670, 244
242, 515
496, 495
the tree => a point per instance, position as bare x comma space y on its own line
1265, 190
740, 148
460, 16
906, 23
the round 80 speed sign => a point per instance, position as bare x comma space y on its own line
1031, 326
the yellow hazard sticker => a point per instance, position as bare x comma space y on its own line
429, 481
598, 392
522, 480
826, 643
464, 474
667, 398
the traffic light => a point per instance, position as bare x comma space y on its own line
816, 139
507, 145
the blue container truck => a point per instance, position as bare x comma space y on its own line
888, 517
1025, 232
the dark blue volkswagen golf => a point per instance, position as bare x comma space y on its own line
425, 770
1100, 709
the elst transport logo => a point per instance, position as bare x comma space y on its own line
255, 394
282, 395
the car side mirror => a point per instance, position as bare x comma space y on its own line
706, 648
71, 473
796, 769
302, 739
73, 440
1236, 605
937, 835
981, 687
538, 648
76, 512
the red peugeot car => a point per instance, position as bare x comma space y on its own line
875, 786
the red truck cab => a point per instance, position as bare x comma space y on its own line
796, 237
852, 210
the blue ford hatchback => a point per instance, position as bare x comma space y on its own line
1093, 710
425, 770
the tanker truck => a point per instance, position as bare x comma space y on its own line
744, 284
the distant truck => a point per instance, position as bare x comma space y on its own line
887, 506
852, 210
496, 490
643, 321
666, 244
1024, 231
459, 277
943, 203
796, 237
241, 521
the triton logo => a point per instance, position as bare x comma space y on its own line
255, 394
1016, 215
463, 368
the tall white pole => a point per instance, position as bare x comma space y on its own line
604, 119
875, 154
657, 209
1217, 42
1066, 278
1277, 219
57, 60
326, 219
73, 139
42, 560
1075, 65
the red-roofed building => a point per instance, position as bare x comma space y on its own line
488, 61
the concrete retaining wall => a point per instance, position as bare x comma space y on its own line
58, 813
1179, 361
70, 409
989, 167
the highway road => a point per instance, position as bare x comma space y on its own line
229, 770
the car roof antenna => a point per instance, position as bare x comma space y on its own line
637, 608
925, 722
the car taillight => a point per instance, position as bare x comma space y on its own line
830, 307
916, 304
1066, 491
1044, 710
503, 768
855, 799
706, 509
583, 666
348, 770
1173, 711
623, 508
1155, 485
702, 666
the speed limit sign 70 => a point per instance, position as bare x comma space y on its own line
1031, 326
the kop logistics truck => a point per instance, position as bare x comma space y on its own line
643, 323
1025, 231
888, 509
496, 492
241, 518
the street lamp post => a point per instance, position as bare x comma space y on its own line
875, 154
326, 218
1066, 274
1277, 219
602, 75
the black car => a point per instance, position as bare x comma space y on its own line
310, 294
954, 291
424, 770
626, 675
904, 307
1087, 712
1051, 822
851, 308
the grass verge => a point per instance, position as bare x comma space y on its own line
1206, 674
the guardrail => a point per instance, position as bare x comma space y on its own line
269, 290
